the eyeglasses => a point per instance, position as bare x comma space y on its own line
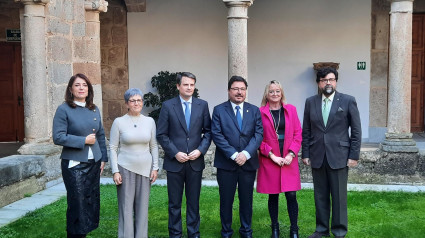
275, 92
138, 101
238, 89
328, 80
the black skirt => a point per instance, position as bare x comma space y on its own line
83, 196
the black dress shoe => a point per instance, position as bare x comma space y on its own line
246, 236
226, 236
317, 234
275, 230
293, 234
339, 236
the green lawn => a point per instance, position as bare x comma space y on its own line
371, 214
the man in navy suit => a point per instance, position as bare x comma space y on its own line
237, 132
331, 143
184, 132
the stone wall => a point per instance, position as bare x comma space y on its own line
72, 37
379, 68
21, 175
378, 167
61, 27
114, 45
9, 17
375, 167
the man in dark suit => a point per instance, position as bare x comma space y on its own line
184, 132
237, 132
331, 143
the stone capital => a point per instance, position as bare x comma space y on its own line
238, 9
96, 5
238, 3
33, 2
401, 6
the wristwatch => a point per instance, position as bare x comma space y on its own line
292, 154
270, 154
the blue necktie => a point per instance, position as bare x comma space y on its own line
239, 117
187, 114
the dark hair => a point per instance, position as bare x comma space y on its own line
322, 72
236, 79
69, 98
184, 74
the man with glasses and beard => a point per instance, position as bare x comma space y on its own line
331, 144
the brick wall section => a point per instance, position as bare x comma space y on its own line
114, 62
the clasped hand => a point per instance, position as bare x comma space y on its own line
282, 161
240, 159
183, 157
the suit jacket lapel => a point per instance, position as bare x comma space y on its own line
229, 110
335, 105
246, 114
318, 106
178, 109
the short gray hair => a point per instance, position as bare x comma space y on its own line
132, 92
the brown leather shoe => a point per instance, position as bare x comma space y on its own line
318, 234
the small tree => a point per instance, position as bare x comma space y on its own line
165, 83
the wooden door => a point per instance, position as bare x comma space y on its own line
418, 77
11, 100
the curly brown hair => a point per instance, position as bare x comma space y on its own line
69, 98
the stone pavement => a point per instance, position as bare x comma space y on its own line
18, 209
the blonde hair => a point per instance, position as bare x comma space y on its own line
266, 92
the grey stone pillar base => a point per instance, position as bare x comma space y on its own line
399, 143
39, 149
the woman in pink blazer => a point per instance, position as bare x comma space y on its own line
278, 158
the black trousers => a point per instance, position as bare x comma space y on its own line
189, 180
227, 183
331, 183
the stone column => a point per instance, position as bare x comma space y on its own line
398, 138
34, 73
88, 58
237, 20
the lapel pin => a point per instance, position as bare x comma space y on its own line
94, 110
95, 119
247, 110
